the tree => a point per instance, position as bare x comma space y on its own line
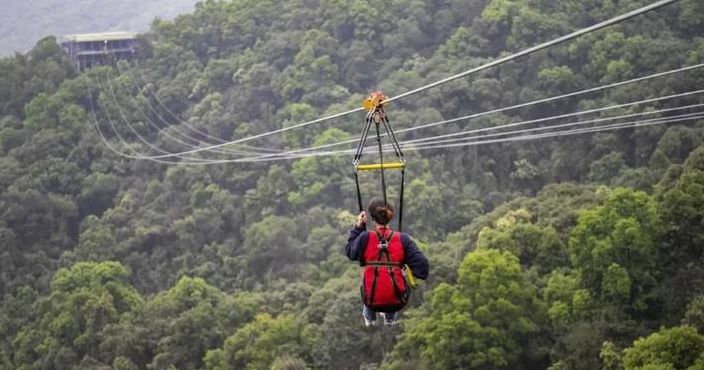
258, 344
536, 246
340, 340
483, 323
177, 327
675, 348
273, 248
613, 248
694, 316
682, 258
84, 300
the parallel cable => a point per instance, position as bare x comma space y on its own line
617, 126
126, 144
481, 137
121, 112
133, 80
162, 105
164, 130
504, 109
589, 111
577, 123
288, 155
553, 127
425, 146
105, 140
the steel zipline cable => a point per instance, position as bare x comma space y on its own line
499, 127
550, 127
579, 113
110, 87
443, 138
519, 138
441, 141
560, 126
244, 149
481, 140
136, 154
472, 71
295, 153
498, 110
616, 126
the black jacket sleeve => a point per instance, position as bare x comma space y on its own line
356, 243
415, 258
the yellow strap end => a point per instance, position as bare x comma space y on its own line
410, 278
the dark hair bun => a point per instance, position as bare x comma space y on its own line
381, 212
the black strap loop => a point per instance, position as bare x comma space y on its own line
400, 201
381, 161
359, 193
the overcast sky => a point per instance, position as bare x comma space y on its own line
24, 22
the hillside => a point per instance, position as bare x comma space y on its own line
23, 23
579, 249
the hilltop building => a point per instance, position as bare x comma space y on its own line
91, 49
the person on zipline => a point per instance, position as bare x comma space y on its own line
383, 254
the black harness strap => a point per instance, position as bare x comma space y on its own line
359, 193
381, 159
400, 201
365, 132
358, 156
390, 133
382, 263
371, 296
399, 155
397, 290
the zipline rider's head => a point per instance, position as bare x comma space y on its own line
382, 213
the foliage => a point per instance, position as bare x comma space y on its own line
483, 322
674, 348
84, 300
260, 343
553, 253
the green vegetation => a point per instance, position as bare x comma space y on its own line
578, 252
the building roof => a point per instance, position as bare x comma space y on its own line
106, 36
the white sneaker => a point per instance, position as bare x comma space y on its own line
368, 322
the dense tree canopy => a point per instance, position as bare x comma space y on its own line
573, 252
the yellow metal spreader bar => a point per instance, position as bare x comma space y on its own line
378, 166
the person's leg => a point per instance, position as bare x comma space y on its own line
369, 315
390, 318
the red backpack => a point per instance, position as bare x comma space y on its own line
384, 287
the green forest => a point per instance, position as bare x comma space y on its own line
572, 252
